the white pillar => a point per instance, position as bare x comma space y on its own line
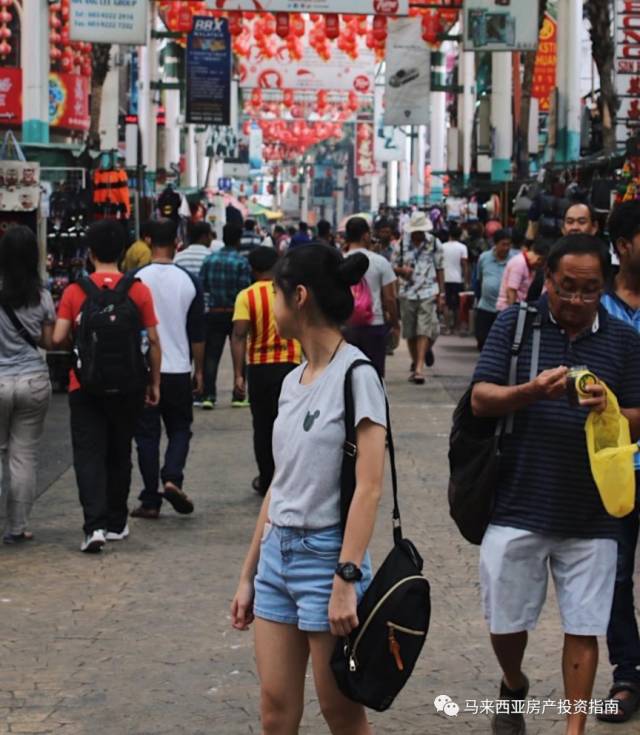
392, 184
501, 115
201, 154
304, 198
375, 192
34, 60
147, 108
405, 170
573, 73
341, 182
172, 111
191, 167
468, 77
110, 108
438, 144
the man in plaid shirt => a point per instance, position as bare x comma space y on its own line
223, 275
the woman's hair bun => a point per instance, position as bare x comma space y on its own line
353, 268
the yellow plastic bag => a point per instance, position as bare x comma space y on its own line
611, 457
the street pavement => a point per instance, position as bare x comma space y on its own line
137, 640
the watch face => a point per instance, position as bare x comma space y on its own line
349, 571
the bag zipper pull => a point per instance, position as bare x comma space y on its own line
352, 664
394, 649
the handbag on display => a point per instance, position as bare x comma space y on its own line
374, 662
474, 445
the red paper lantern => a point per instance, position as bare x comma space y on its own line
283, 27
380, 28
235, 22
332, 25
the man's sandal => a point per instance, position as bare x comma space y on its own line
627, 707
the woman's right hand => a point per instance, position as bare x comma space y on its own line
242, 606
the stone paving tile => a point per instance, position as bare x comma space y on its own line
137, 641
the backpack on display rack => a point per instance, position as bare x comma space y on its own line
374, 662
108, 343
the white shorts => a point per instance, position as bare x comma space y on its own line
514, 572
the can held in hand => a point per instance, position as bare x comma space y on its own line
578, 380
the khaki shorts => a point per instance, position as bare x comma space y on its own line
419, 319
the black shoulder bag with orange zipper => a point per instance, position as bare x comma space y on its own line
374, 662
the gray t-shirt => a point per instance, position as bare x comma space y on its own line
17, 357
308, 440
379, 274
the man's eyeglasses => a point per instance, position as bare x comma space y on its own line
587, 297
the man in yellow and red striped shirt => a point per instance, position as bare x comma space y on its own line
270, 358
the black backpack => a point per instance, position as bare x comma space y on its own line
375, 661
108, 341
474, 445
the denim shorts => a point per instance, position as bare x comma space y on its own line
295, 576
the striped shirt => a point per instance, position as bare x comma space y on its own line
545, 483
255, 305
192, 259
223, 275
621, 310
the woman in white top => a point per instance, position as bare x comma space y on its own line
27, 316
302, 579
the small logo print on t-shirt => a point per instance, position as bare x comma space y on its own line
310, 420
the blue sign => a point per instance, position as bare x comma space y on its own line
225, 184
209, 72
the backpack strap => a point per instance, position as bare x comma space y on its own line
89, 287
348, 475
125, 283
524, 313
19, 326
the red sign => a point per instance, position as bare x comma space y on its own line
365, 162
10, 96
69, 101
544, 73
627, 49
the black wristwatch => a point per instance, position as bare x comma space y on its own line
349, 571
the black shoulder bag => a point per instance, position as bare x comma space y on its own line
474, 445
19, 326
375, 661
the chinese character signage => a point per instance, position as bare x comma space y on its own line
109, 21
627, 50
365, 161
10, 96
69, 101
356, 7
500, 25
544, 73
209, 72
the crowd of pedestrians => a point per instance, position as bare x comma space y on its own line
147, 331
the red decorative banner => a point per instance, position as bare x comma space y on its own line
365, 137
544, 74
10, 96
69, 101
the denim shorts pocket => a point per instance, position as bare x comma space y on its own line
266, 532
326, 544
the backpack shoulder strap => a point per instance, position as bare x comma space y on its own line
348, 477
525, 313
19, 326
125, 283
89, 287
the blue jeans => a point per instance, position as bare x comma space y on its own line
622, 637
176, 412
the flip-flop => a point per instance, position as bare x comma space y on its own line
626, 707
418, 379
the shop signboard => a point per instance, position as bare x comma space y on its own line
209, 72
19, 186
69, 101
627, 68
109, 21
355, 7
408, 75
10, 96
499, 25
390, 143
544, 72
365, 159
340, 73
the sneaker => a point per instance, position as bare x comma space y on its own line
511, 723
180, 501
208, 404
239, 401
150, 514
115, 536
198, 402
17, 538
93, 542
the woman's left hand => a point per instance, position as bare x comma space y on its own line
343, 606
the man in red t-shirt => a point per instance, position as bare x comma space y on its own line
102, 427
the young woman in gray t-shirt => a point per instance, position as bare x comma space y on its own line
25, 389
302, 580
